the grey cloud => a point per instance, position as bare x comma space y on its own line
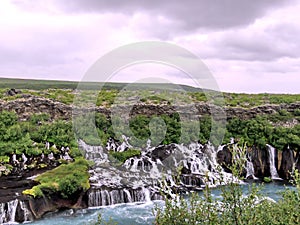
268, 43
44, 48
275, 42
189, 14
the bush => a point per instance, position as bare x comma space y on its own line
69, 185
123, 156
65, 179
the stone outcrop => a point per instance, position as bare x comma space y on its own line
258, 158
224, 158
287, 163
12, 92
40, 206
24, 107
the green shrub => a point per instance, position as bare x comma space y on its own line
68, 186
123, 156
65, 179
4, 159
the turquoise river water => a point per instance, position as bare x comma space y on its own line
132, 213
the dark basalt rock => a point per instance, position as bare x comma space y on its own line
162, 152
11, 187
224, 158
12, 92
40, 206
297, 161
22, 215
28, 105
287, 162
260, 162
192, 180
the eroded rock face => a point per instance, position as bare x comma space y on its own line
28, 105
287, 162
40, 206
24, 107
258, 163
224, 158
162, 152
260, 159
12, 92
297, 161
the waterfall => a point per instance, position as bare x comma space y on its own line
103, 197
273, 170
94, 153
14, 211
250, 170
130, 181
8, 211
146, 193
129, 199
26, 212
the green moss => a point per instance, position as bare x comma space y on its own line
35, 192
42, 165
4, 159
65, 179
123, 156
267, 179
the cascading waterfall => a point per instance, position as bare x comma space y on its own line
95, 153
273, 170
8, 211
131, 182
26, 212
128, 195
146, 193
250, 170
103, 197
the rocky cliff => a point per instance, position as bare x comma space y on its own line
24, 107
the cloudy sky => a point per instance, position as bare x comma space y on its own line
249, 46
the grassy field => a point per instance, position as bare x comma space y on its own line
64, 91
57, 84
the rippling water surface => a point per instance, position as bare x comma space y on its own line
132, 213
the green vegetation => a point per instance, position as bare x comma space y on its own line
251, 100
261, 130
234, 207
257, 131
29, 137
123, 156
100, 221
267, 179
66, 179
64, 91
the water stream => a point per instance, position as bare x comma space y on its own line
273, 170
132, 213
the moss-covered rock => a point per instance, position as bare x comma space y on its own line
64, 180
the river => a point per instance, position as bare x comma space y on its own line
134, 213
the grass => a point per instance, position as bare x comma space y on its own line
123, 156
64, 91
65, 179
